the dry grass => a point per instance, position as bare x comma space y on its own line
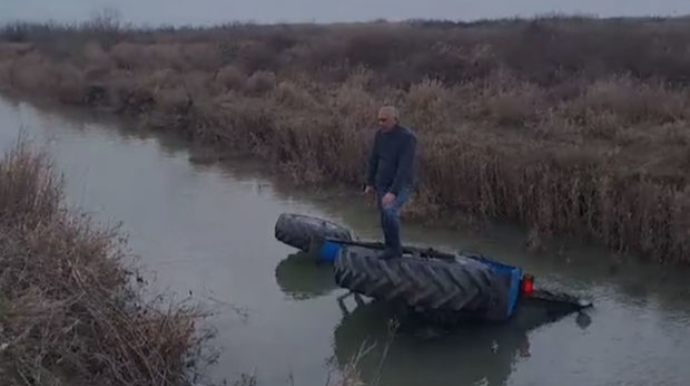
568, 125
71, 302
70, 308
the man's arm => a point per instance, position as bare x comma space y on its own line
373, 161
405, 166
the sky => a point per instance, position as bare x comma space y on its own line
204, 12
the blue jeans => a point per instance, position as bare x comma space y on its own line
390, 219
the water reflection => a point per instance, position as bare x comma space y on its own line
301, 278
420, 354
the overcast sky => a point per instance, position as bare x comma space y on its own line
153, 12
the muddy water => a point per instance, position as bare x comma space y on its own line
206, 232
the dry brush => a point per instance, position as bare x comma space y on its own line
569, 125
71, 306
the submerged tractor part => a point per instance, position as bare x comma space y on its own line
299, 278
444, 287
557, 302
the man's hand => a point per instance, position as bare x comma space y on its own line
369, 189
388, 199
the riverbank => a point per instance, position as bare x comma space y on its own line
73, 306
512, 123
71, 309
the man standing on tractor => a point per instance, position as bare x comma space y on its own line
390, 174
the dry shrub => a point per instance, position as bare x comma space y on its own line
172, 99
429, 106
172, 108
214, 122
9, 50
171, 89
127, 94
197, 83
165, 56
148, 56
514, 103
233, 122
201, 56
508, 109
674, 134
311, 100
301, 149
349, 98
631, 100
425, 95
256, 56
292, 96
31, 72
126, 55
34, 73
162, 78
361, 77
375, 45
98, 62
602, 125
93, 52
70, 83
353, 107
29, 190
71, 313
229, 78
260, 82
6, 75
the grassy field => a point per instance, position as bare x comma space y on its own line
570, 126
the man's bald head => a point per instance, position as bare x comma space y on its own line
388, 117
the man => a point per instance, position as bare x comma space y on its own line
390, 175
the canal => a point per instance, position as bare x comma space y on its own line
205, 231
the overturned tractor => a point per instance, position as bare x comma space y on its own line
443, 287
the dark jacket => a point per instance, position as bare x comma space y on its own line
392, 159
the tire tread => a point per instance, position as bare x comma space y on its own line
300, 231
426, 284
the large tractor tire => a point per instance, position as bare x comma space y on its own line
300, 231
433, 286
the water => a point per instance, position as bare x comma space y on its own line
209, 230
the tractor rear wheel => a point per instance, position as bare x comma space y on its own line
425, 285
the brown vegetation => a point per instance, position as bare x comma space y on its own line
70, 312
568, 125
71, 307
